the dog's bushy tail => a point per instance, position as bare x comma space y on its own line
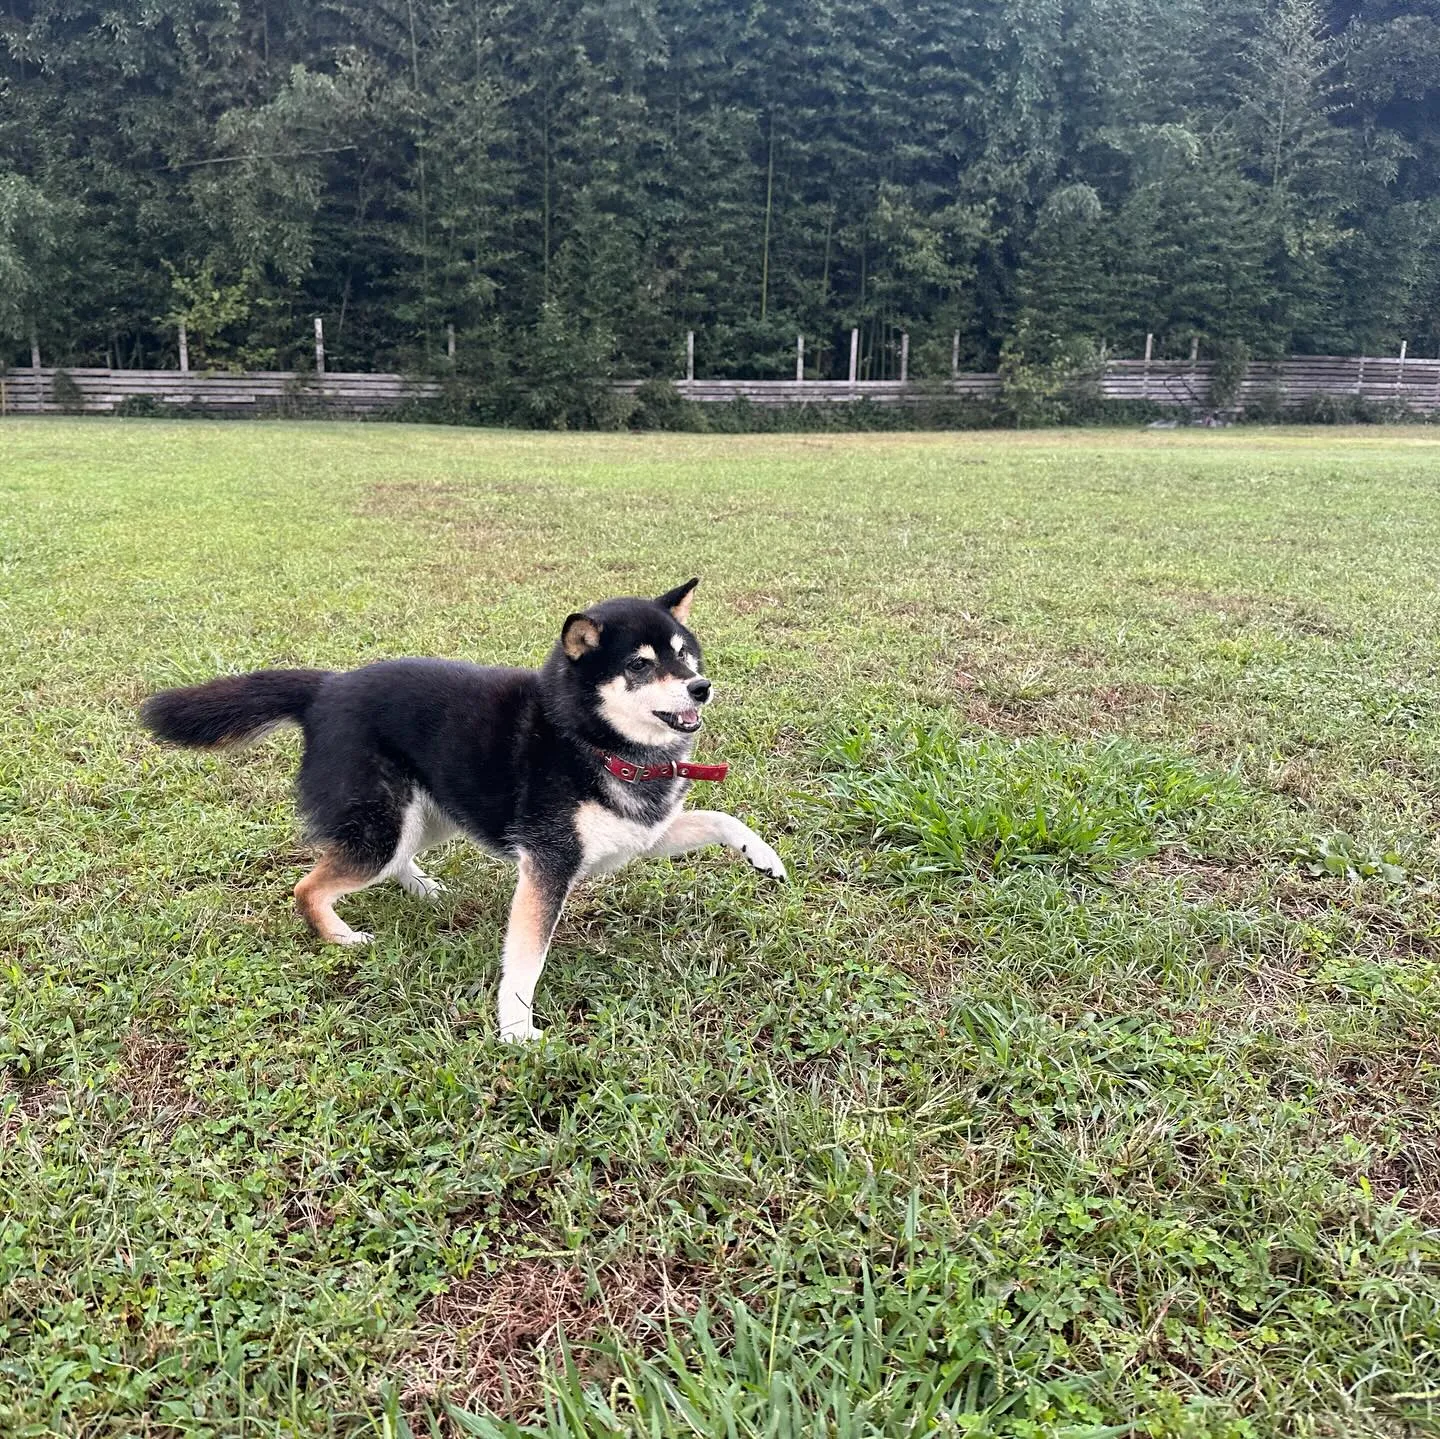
231, 710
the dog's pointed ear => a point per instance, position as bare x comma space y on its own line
677, 601
580, 635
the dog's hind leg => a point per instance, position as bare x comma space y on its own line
414, 881
421, 826
333, 878
696, 827
359, 811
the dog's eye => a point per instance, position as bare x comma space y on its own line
636, 665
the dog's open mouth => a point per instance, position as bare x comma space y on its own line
685, 721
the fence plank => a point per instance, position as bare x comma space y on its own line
104, 391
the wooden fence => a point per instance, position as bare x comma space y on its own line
276, 392
1398, 382
826, 392
1401, 383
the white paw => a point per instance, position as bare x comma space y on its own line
521, 1033
354, 937
421, 886
762, 857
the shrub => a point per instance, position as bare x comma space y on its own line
65, 393
561, 379
140, 407
1267, 406
1044, 377
660, 406
1229, 364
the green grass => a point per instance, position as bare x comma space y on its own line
949, 804
1083, 1082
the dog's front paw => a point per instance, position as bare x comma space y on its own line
762, 857
355, 937
521, 1033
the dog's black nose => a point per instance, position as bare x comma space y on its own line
699, 689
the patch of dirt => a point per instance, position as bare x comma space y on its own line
1122, 700
23, 1104
1410, 1178
305, 1211
1304, 778
1373, 922
1387, 1102
585, 926
777, 619
1255, 610
468, 913
340, 982
482, 1342
959, 623
152, 1077
752, 602
1017, 718
985, 707
1382, 927
456, 514
410, 499
1233, 884
1059, 706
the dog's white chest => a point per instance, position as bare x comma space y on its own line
608, 840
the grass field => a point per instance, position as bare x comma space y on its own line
1083, 1081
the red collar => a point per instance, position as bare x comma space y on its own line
623, 769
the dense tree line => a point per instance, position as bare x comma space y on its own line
572, 184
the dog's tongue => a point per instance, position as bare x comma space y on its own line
689, 717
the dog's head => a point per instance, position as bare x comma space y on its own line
633, 667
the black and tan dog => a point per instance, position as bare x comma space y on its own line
569, 770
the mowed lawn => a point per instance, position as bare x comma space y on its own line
1083, 1081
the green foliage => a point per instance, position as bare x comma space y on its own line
140, 407
1265, 406
1229, 360
30, 224
1348, 410
1045, 376
1085, 175
218, 318
742, 417
660, 406
559, 378
66, 393
948, 806
1340, 856
907, 1351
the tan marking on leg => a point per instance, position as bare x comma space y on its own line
333, 878
534, 912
